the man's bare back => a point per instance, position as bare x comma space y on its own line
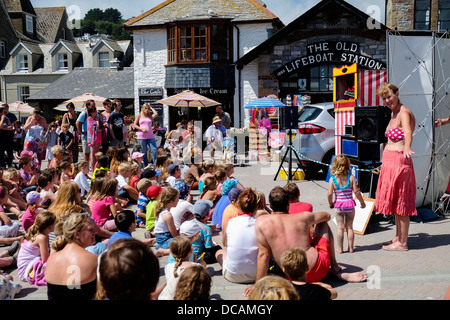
280, 232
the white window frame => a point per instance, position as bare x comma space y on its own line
62, 62
29, 24
2, 49
23, 93
102, 62
22, 63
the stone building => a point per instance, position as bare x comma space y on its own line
300, 58
418, 15
193, 44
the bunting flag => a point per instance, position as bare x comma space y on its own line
369, 81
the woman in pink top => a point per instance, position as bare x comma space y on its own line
143, 125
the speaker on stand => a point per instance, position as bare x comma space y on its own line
370, 125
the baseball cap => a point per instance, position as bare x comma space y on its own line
216, 119
143, 184
33, 196
183, 188
172, 168
189, 228
154, 191
234, 194
150, 173
202, 207
137, 155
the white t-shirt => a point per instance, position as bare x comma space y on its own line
242, 247
168, 292
181, 212
160, 225
171, 180
122, 181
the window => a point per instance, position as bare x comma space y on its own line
103, 60
22, 63
321, 78
23, 93
197, 43
62, 63
29, 24
422, 10
444, 16
2, 49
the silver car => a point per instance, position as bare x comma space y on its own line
314, 140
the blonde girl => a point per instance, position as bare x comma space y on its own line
165, 229
181, 250
34, 251
135, 175
342, 185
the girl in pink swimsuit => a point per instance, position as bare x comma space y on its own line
343, 184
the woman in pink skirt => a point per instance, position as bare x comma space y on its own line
396, 191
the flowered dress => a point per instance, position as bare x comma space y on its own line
35, 141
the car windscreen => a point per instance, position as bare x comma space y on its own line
308, 114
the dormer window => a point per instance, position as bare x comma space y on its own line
22, 63
62, 62
103, 60
29, 24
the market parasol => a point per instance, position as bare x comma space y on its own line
81, 100
20, 107
189, 99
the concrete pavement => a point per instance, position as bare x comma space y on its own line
422, 273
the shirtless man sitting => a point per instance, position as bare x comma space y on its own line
279, 231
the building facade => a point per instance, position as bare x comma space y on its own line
192, 45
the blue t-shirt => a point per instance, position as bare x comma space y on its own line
118, 235
204, 240
83, 119
142, 202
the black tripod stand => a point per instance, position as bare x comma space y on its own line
289, 150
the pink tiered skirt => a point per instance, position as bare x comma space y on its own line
396, 190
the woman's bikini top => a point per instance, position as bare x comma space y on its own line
395, 134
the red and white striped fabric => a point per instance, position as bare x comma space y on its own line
369, 81
342, 118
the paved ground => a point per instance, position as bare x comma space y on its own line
422, 273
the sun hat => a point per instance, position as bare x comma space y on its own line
228, 185
137, 155
217, 119
33, 196
189, 228
202, 207
143, 184
154, 191
183, 188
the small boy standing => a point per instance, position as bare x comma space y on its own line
52, 139
67, 139
295, 266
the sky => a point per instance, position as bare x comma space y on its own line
286, 10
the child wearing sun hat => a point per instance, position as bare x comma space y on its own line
32, 210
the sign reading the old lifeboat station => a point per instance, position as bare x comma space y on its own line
326, 52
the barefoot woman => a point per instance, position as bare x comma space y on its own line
396, 190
